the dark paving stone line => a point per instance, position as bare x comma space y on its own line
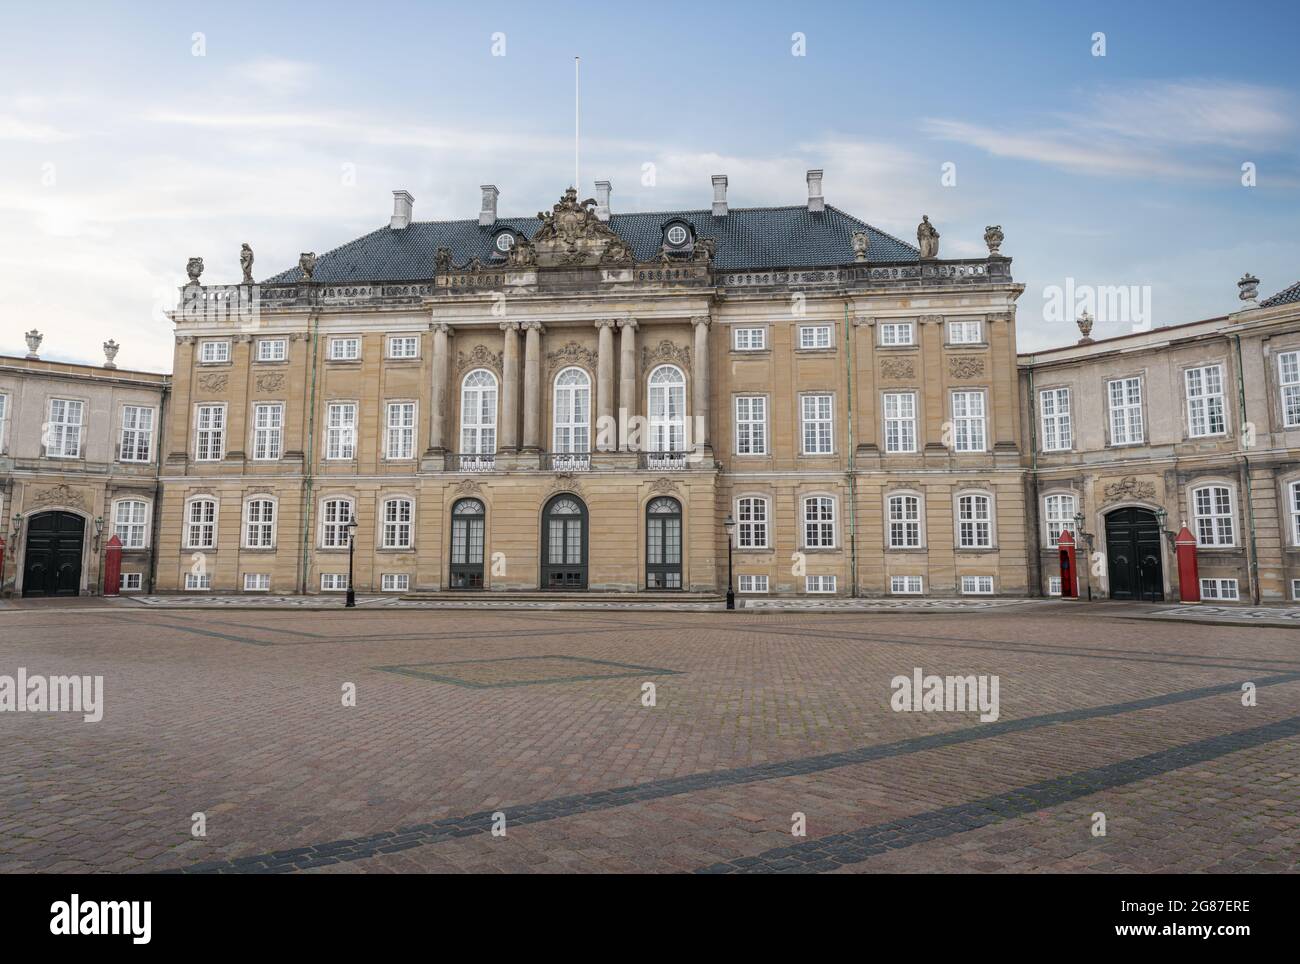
855, 846
359, 848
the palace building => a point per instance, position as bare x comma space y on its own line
596, 401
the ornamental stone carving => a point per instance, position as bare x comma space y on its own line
565, 482
665, 485
468, 487
994, 237
966, 366
307, 262
58, 495
665, 353
34, 339
111, 349
194, 268
1248, 287
570, 354
212, 382
860, 242
269, 382
572, 234
1130, 488
897, 368
442, 260
480, 356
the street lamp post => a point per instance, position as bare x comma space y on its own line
729, 524
351, 600
1087, 538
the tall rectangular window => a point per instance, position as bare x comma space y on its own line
1212, 513
968, 421
130, 518
904, 513
900, 421
1125, 397
974, 522
1054, 407
209, 433
1288, 368
751, 516
268, 431
1293, 504
259, 524
751, 425
341, 430
397, 523
201, 524
1205, 401
818, 438
334, 517
401, 431
137, 434
64, 434
819, 522
1058, 512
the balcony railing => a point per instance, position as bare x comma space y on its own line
664, 461
567, 461
467, 462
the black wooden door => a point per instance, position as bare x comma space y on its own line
663, 544
564, 544
1133, 555
467, 531
52, 566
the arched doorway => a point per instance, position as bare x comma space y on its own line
467, 531
564, 543
663, 544
52, 563
1133, 555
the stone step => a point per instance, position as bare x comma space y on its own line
489, 596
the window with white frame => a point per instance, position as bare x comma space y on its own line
1293, 504
397, 523
751, 523
268, 431
977, 585
1125, 398
1288, 372
198, 581
403, 346
131, 522
968, 421
1058, 515
1053, 585
64, 430
334, 517
201, 524
1054, 410
572, 432
1205, 412
904, 513
395, 582
130, 581
257, 582
1212, 513
344, 349
905, 585
750, 339
478, 413
974, 521
821, 584
819, 522
272, 350
1295, 589
259, 524
817, 418
965, 332
400, 433
1221, 589
750, 583
814, 336
667, 406
209, 433
751, 424
214, 352
333, 582
896, 333
341, 430
4, 415
137, 434
900, 421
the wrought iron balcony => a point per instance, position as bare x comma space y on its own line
664, 461
566, 461
473, 462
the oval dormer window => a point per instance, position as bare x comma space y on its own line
677, 235
505, 241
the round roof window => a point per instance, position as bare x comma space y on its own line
505, 241
677, 235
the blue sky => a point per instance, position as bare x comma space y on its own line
122, 153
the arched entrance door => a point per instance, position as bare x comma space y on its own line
467, 525
663, 544
52, 565
564, 543
1133, 555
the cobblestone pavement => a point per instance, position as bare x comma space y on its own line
469, 719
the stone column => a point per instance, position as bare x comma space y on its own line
533, 386
508, 430
605, 384
438, 417
627, 376
700, 394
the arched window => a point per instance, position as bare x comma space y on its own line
974, 521
1212, 512
564, 543
572, 411
478, 413
667, 409
131, 523
334, 516
259, 523
201, 524
397, 515
819, 522
1293, 507
1058, 514
904, 511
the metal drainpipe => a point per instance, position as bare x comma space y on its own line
310, 455
853, 481
1250, 502
1033, 468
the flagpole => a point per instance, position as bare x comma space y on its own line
576, 61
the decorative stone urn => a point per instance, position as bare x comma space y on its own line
1248, 288
993, 237
110, 352
1085, 328
34, 339
194, 268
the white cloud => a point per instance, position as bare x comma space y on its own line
276, 75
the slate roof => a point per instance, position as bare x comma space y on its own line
748, 239
1287, 296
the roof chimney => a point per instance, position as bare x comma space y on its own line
602, 200
719, 195
815, 200
487, 216
402, 203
